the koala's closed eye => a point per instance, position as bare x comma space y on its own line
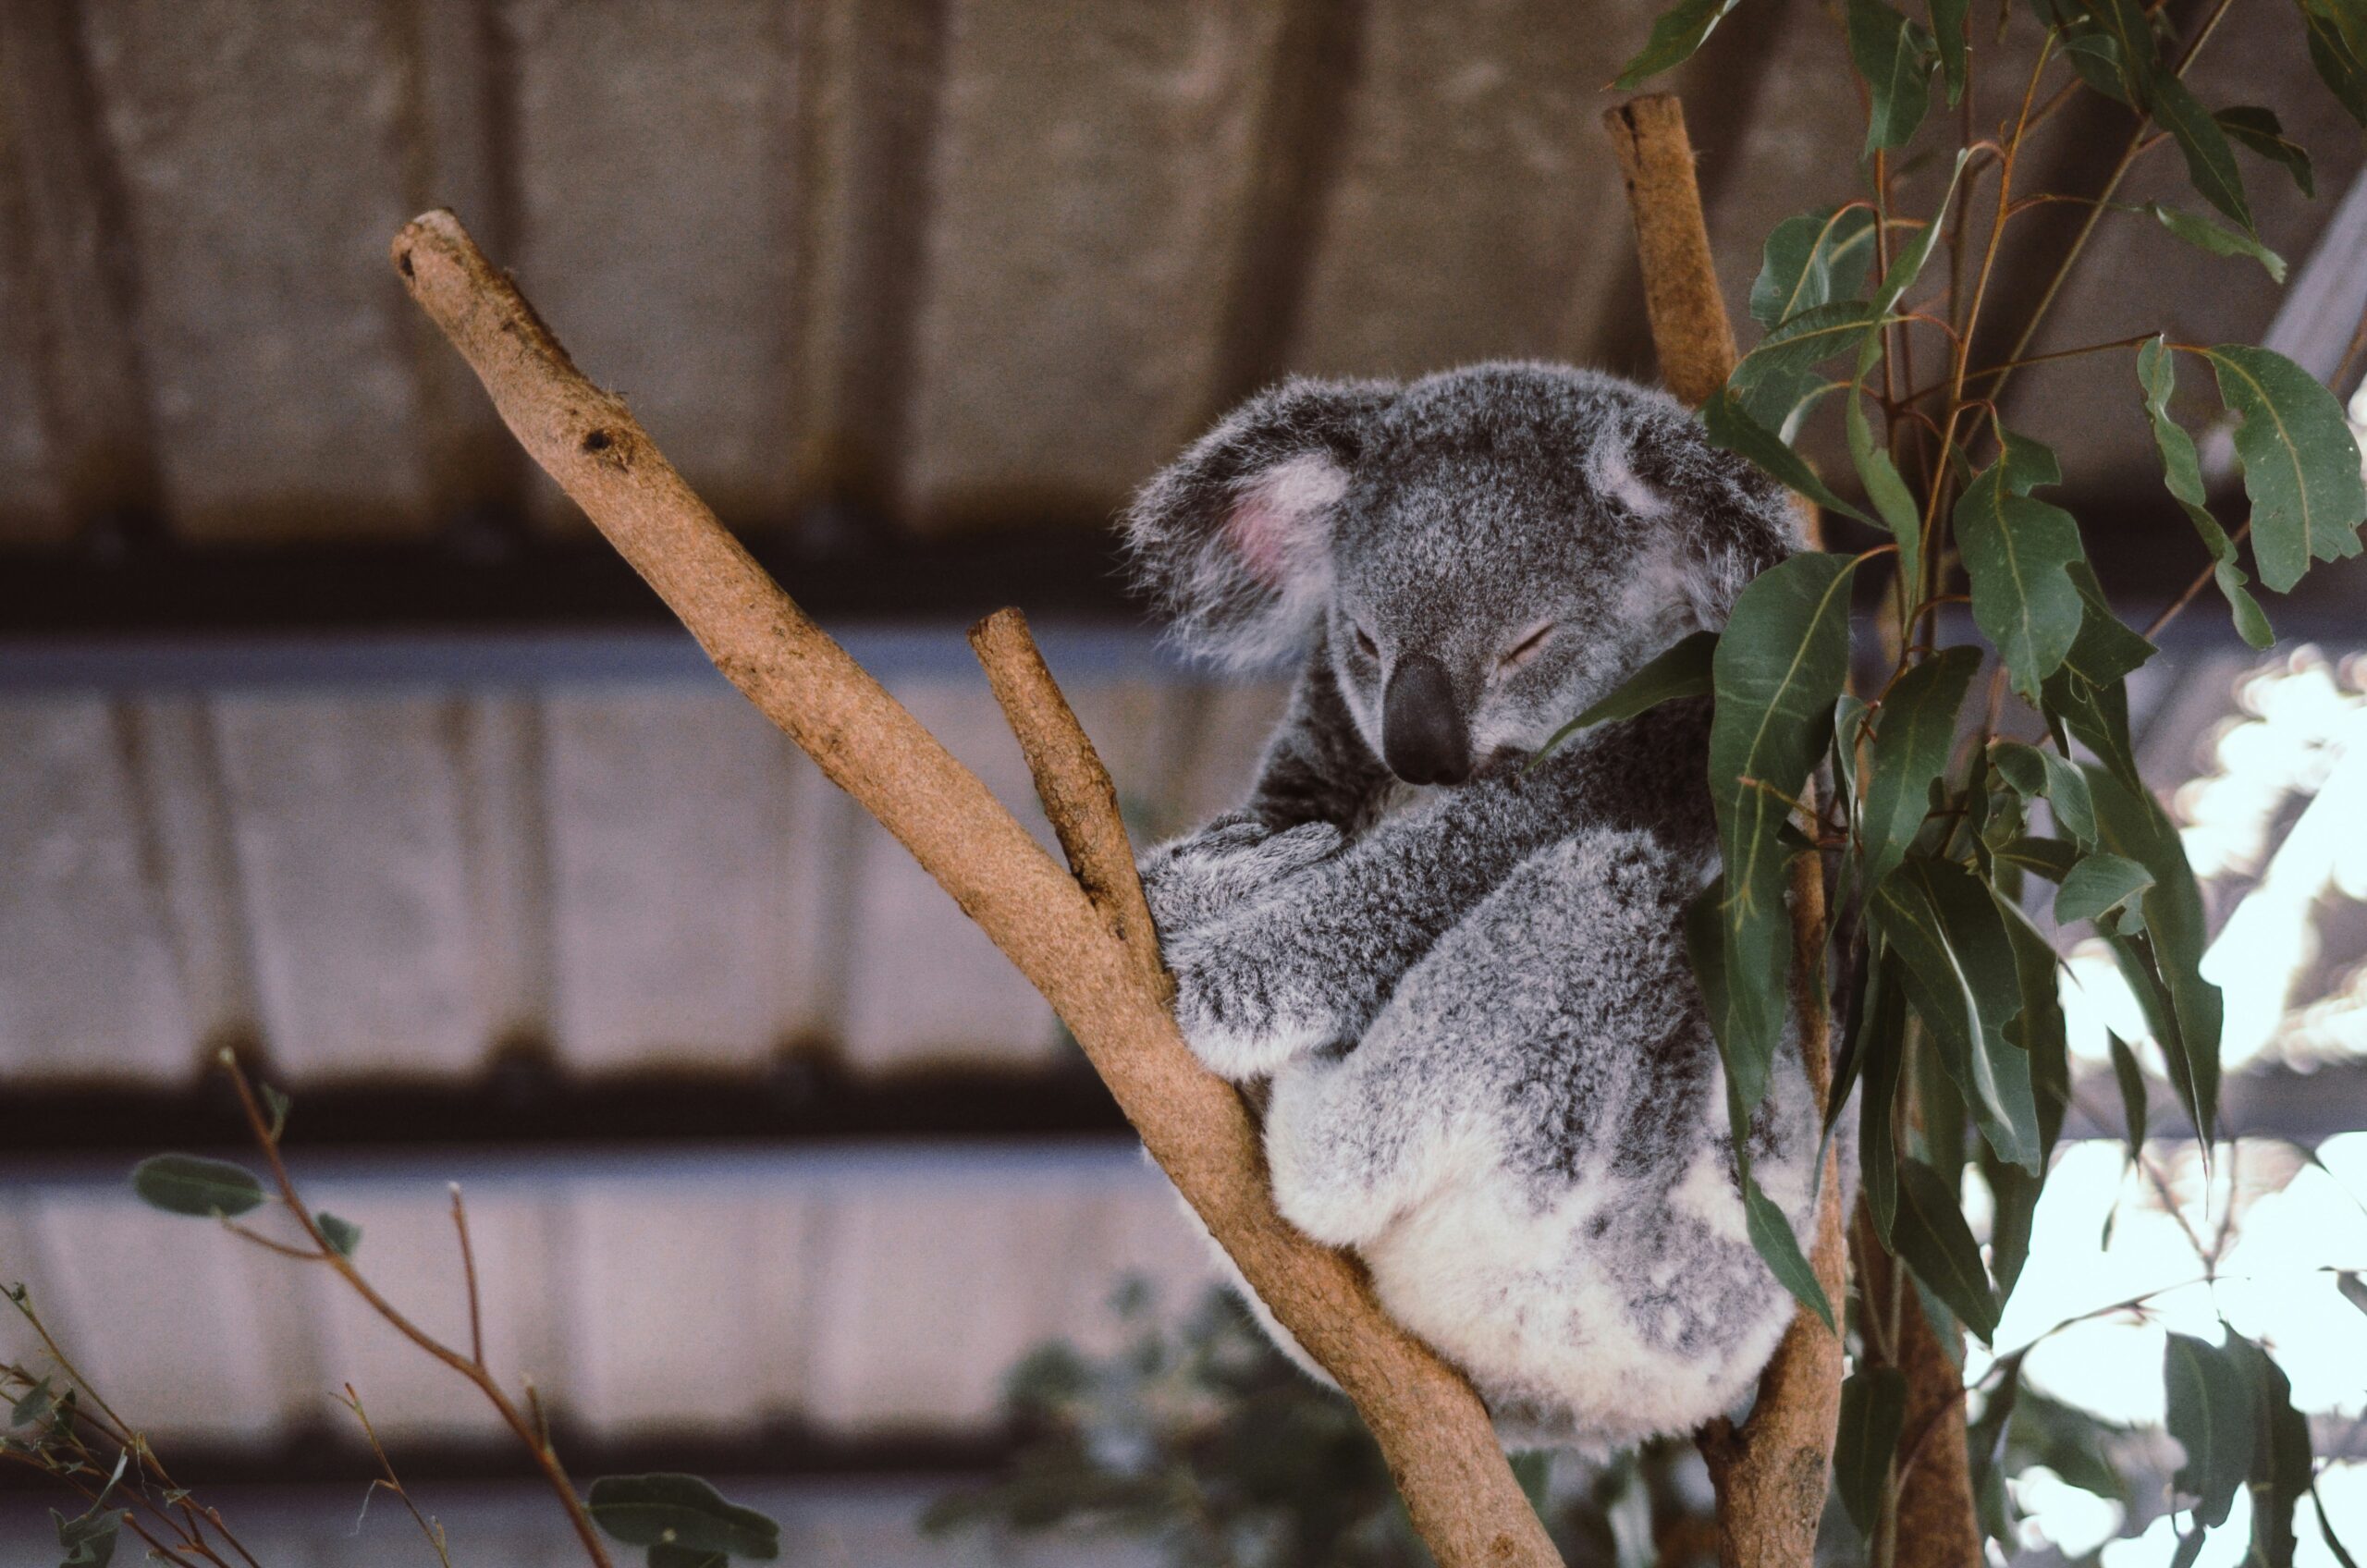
1521, 652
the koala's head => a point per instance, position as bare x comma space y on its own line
1479, 553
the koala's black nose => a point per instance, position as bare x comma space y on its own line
1422, 734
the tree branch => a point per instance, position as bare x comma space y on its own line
1772, 1472
1431, 1427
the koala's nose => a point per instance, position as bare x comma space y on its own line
1422, 734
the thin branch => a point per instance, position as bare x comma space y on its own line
545, 1458
393, 1483
2186, 595
469, 1274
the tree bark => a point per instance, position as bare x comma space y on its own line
1773, 1472
1932, 1521
1082, 941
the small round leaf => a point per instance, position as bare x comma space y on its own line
188, 1183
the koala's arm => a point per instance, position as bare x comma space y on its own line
1318, 768
1311, 957
1318, 784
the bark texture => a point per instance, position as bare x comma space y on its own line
1773, 1472
1082, 940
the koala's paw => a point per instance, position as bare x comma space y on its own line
1239, 1020
1206, 875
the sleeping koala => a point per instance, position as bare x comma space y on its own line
1491, 1073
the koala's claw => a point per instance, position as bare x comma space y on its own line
1207, 876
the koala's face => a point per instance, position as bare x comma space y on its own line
1483, 554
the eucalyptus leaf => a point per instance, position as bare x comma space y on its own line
2014, 549
88, 1540
2352, 1287
1873, 1411
2182, 472
683, 1511
2209, 161
2132, 1080
1729, 425
342, 1235
2340, 65
1679, 32
1887, 490
1907, 266
1882, 1048
2210, 1401
2258, 130
2038, 1029
2013, 1208
1771, 1234
1681, 670
2098, 887
2205, 235
191, 1185
2051, 858
1932, 1239
1778, 670
1962, 980
686, 1557
2096, 716
1948, 19
1812, 260
1895, 55
1914, 730
2300, 462
2131, 824
2279, 1477
2105, 650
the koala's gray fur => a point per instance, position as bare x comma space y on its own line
1490, 1072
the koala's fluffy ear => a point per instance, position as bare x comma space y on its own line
1233, 539
1720, 519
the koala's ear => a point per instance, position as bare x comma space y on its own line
1719, 520
1234, 538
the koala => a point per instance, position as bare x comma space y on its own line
1458, 971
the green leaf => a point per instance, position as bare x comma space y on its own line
1873, 1410
2352, 1287
1914, 731
1937, 1244
188, 1183
1948, 19
2131, 824
1895, 55
2096, 60
1779, 668
1888, 491
2033, 773
2340, 65
2051, 858
1729, 426
1679, 32
277, 1105
1907, 266
679, 1511
2132, 1079
2300, 464
2096, 716
1681, 670
2013, 1208
1812, 260
1770, 1233
2209, 161
1884, 1051
1806, 339
2038, 1029
2211, 1416
2105, 650
2205, 235
2098, 887
2281, 1465
342, 1235
2258, 130
1963, 983
2014, 549
36, 1406
2182, 472
88, 1540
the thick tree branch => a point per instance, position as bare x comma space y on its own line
1431, 1427
1772, 1472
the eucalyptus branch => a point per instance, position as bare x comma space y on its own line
392, 1483
472, 1368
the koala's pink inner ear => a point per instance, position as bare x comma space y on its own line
1276, 524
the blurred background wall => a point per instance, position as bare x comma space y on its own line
328, 733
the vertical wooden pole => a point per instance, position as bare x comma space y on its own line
1772, 1472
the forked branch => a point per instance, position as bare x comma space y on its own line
1084, 941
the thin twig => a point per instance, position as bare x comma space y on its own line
469, 1273
391, 1482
